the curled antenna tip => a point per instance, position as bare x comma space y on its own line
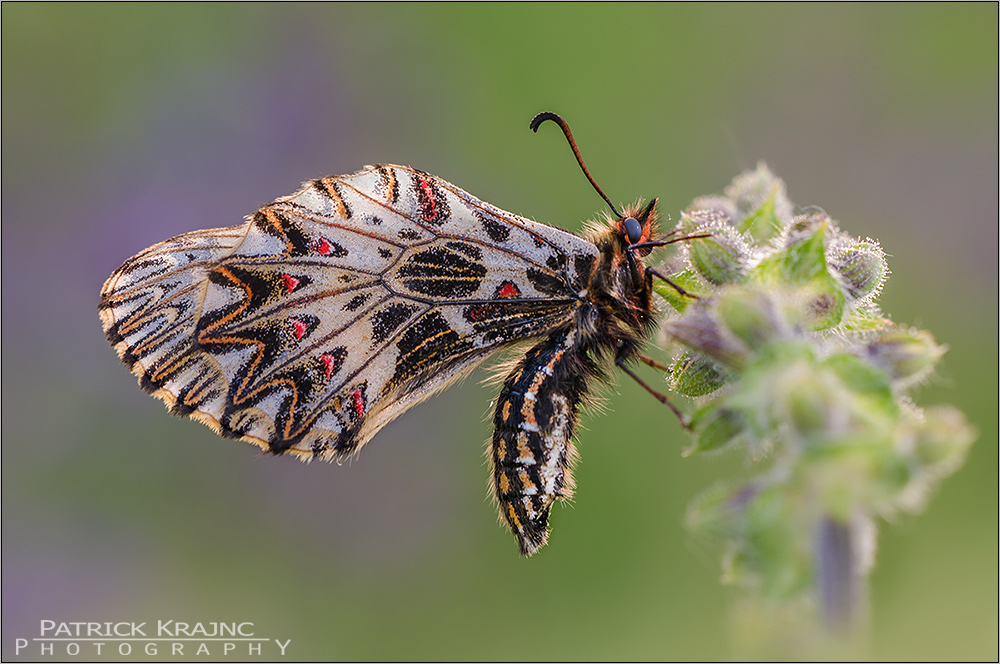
542, 117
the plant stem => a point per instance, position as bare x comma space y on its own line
839, 573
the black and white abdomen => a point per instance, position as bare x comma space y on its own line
532, 448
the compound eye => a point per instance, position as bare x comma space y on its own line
633, 230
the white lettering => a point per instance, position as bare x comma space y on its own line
74, 633
19, 644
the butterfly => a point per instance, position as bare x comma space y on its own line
332, 311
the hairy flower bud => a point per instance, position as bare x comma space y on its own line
905, 355
752, 316
699, 330
941, 443
863, 269
801, 263
722, 257
720, 427
763, 206
719, 207
695, 375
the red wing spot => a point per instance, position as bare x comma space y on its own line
508, 290
329, 364
323, 247
291, 283
359, 403
430, 207
299, 328
478, 312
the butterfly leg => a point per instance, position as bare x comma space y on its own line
532, 448
650, 362
672, 284
659, 396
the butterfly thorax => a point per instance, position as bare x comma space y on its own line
620, 289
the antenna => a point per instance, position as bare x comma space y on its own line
542, 117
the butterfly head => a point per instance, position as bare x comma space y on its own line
637, 225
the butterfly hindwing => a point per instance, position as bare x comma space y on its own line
331, 311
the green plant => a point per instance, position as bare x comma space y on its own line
787, 356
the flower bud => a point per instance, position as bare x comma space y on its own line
935, 444
863, 269
719, 428
695, 375
721, 258
906, 355
751, 316
719, 207
763, 205
824, 308
687, 280
802, 264
809, 407
803, 258
699, 330
942, 440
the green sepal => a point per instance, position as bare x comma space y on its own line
751, 316
760, 198
868, 384
763, 223
863, 320
802, 264
715, 427
686, 280
695, 375
719, 259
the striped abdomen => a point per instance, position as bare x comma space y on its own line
532, 447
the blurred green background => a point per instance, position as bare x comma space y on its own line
126, 124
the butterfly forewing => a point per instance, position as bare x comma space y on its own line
331, 311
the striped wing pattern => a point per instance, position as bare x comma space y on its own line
331, 311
